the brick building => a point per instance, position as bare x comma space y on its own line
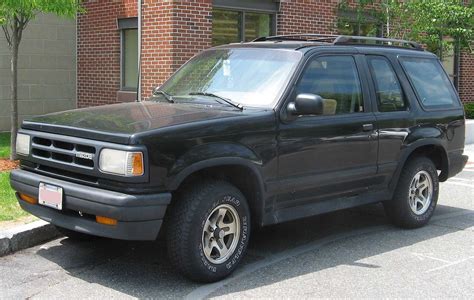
172, 31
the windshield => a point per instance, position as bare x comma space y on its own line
250, 77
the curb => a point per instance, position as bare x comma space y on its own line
469, 132
25, 236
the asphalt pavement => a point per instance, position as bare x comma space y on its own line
354, 253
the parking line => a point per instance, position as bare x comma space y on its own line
450, 264
460, 184
205, 290
462, 179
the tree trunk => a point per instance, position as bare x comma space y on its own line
14, 91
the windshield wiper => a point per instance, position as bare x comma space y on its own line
228, 101
167, 96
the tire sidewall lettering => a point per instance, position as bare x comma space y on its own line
239, 251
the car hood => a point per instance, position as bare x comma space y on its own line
118, 122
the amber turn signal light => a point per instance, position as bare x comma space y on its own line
105, 220
27, 198
137, 163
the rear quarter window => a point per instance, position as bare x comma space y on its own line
432, 86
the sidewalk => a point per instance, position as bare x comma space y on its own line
469, 132
469, 151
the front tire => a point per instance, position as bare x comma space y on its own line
416, 195
208, 230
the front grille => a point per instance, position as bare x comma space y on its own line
64, 174
69, 153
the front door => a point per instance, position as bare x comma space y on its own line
333, 154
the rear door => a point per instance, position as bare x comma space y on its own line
395, 115
334, 154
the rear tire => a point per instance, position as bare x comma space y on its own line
208, 230
416, 195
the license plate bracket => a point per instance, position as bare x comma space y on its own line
50, 195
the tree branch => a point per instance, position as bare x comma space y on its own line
26, 21
7, 35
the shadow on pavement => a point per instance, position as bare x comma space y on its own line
141, 269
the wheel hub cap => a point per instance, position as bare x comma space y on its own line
221, 234
421, 192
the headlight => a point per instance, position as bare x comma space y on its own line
23, 144
121, 162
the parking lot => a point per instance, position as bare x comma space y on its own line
352, 253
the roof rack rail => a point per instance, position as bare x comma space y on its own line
310, 37
366, 40
343, 40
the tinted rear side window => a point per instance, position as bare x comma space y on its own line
389, 93
430, 82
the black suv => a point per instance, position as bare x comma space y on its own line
250, 134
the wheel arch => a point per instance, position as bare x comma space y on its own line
433, 149
240, 172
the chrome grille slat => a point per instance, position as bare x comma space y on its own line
63, 152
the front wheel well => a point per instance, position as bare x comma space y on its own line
242, 177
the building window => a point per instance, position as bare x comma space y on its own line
257, 25
449, 59
358, 24
233, 26
225, 26
129, 53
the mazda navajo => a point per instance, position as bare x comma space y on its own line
249, 135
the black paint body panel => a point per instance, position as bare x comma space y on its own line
304, 165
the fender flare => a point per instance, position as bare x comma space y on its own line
409, 150
177, 179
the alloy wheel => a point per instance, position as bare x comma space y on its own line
421, 192
221, 234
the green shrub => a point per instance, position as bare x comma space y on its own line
469, 109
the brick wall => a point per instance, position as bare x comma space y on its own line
303, 16
466, 79
173, 31
98, 50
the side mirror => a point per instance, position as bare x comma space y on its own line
306, 104
155, 90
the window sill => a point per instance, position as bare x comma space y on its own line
126, 96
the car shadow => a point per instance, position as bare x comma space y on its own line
141, 269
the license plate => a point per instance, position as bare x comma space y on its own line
50, 195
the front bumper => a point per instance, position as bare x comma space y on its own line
139, 216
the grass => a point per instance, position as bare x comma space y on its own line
9, 208
5, 145
469, 108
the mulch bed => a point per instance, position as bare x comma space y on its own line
7, 165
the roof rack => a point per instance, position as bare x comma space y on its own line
308, 37
343, 40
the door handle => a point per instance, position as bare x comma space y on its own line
368, 127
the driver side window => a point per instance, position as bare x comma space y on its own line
336, 80
387, 87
